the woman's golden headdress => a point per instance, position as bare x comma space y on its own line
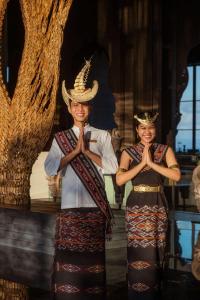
147, 118
80, 93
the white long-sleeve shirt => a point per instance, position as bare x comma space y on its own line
74, 194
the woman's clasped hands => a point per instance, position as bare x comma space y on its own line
146, 156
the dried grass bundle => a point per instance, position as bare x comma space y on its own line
26, 119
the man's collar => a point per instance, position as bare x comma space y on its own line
76, 128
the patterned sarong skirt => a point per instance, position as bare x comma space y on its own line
147, 225
79, 265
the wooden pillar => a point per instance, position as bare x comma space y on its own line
147, 68
133, 40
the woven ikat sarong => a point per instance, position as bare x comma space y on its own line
80, 255
146, 229
147, 224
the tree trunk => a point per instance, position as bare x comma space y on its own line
15, 190
12, 291
26, 119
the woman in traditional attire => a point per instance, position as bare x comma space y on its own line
146, 164
81, 155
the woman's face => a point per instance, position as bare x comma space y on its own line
146, 133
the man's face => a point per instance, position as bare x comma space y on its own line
79, 111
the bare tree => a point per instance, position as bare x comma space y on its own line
26, 119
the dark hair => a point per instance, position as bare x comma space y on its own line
88, 102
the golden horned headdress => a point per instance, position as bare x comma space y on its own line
147, 118
80, 93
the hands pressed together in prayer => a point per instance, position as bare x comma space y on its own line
146, 156
165, 170
81, 146
123, 177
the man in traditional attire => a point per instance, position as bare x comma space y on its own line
81, 155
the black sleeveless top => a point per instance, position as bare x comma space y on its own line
148, 176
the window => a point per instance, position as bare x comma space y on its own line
188, 129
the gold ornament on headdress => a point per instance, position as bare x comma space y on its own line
148, 119
80, 93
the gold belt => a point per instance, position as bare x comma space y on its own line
143, 188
